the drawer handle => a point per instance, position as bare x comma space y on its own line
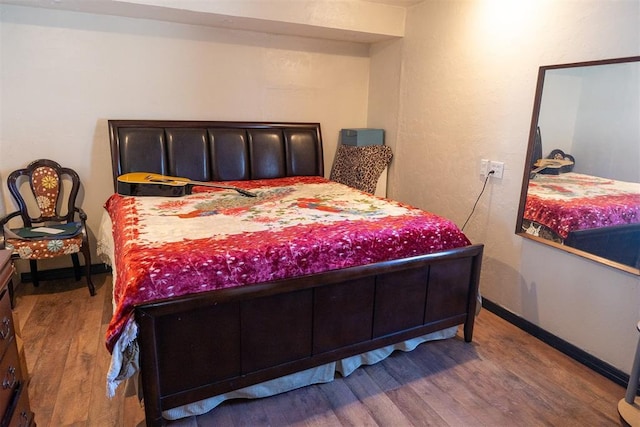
24, 419
9, 382
6, 328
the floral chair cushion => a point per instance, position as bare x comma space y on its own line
45, 248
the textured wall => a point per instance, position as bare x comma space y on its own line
468, 77
65, 74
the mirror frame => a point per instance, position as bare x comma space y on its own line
530, 152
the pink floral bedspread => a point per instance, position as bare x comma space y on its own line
215, 239
573, 201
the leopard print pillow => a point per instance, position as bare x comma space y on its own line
360, 167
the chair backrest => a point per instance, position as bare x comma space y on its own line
46, 185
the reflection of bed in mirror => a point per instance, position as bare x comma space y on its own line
589, 213
589, 111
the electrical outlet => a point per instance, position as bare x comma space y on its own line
484, 167
497, 168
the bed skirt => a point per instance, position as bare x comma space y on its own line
321, 374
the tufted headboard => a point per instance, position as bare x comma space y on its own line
215, 151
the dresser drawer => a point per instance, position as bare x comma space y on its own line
6, 322
22, 415
6, 273
10, 376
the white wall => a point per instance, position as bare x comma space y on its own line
384, 97
593, 113
469, 70
64, 74
608, 123
558, 111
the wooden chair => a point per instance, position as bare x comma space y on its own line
63, 235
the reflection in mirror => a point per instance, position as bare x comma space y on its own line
581, 184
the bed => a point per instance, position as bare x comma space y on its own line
197, 323
593, 214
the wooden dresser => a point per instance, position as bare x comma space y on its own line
14, 399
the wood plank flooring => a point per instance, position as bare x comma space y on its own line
503, 378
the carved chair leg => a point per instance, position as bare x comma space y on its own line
76, 265
34, 272
87, 262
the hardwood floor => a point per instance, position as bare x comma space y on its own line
503, 378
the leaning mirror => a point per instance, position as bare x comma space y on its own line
581, 184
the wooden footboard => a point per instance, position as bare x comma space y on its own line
198, 346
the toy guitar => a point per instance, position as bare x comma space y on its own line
153, 184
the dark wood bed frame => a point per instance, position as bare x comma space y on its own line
618, 243
197, 346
